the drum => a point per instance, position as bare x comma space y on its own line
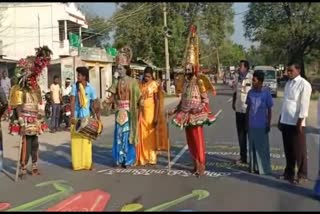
89, 127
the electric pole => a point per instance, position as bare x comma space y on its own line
39, 29
166, 46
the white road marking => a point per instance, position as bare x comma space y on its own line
217, 114
182, 151
230, 100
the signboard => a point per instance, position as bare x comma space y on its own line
94, 54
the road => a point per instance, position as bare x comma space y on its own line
226, 187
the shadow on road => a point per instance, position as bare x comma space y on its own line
269, 181
61, 155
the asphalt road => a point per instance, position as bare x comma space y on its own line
226, 187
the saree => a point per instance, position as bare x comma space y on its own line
147, 145
162, 131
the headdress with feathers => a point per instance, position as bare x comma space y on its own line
32, 66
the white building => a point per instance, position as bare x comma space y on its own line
25, 26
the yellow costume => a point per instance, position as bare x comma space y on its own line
81, 151
147, 145
162, 132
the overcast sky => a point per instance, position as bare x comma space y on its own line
107, 9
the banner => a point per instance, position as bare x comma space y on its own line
74, 40
111, 51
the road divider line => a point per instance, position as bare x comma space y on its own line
230, 100
184, 149
217, 114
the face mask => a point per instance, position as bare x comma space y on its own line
122, 71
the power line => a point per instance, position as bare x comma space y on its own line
124, 18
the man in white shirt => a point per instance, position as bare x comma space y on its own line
241, 87
66, 91
295, 108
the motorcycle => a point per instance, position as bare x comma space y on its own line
47, 108
65, 110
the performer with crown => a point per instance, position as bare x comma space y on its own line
126, 94
193, 110
24, 99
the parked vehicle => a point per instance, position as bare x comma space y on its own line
47, 108
270, 78
65, 110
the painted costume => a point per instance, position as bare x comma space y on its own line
126, 94
193, 110
24, 99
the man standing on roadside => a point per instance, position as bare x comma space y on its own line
295, 109
241, 87
56, 103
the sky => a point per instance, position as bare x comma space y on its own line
107, 9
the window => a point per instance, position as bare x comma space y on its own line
269, 74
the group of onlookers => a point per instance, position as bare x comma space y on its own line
253, 106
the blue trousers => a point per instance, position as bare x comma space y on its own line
55, 119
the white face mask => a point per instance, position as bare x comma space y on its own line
121, 71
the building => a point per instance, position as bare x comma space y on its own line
25, 26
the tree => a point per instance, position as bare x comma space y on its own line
232, 53
292, 27
217, 24
141, 27
97, 24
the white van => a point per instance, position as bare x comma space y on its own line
270, 78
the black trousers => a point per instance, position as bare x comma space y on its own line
30, 147
242, 135
295, 150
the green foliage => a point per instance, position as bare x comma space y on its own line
289, 29
140, 25
231, 53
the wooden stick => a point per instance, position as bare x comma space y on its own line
18, 161
168, 138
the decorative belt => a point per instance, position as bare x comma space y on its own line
124, 104
29, 114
